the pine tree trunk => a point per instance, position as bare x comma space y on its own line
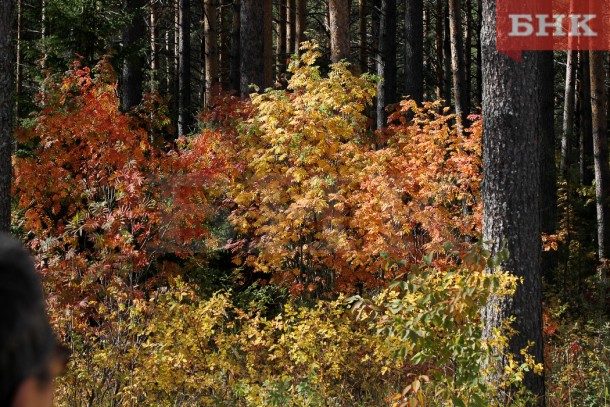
447, 76
568, 114
386, 60
457, 63
251, 40
224, 65
7, 88
268, 43
600, 154
19, 62
211, 48
281, 39
548, 171
362, 43
438, 45
585, 129
134, 59
468, 55
301, 23
184, 67
414, 49
479, 93
291, 16
235, 46
339, 30
154, 46
512, 125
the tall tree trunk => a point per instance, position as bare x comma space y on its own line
414, 49
154, 46
300, 24
184, 67
19, 62
362, 43
268, 43
291, 16
339, 29
134, 59
568, 114
447, 77
512, 125
479, 94
224, 65
468, 55
548, 171
386, 60
457, 63
235, 46
7, 89
585, 125
281, 39
600, 156
438, 45
251, 40
211, 48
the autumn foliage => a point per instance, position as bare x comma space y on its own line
326, 203
297, 189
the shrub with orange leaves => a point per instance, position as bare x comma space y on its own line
101, 203
323, 208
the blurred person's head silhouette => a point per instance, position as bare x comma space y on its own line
30, 357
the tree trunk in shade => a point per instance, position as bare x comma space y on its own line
585, 131
268, 43
300, 23
512, 126
568, 114
291, 16
457, 63
184, 67
600, 156
414, 49
235, 44
251, 45
211, 48
386, 60
134, 58
7, 106
548, 171
362, 42
339, 29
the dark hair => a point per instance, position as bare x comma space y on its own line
26, 338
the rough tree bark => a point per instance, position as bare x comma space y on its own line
211, 48
268, 43
362, 43
585, 131
457, 63
7, 88
251, 40
600, 156
300, 24
512, 125
568, 114
548, 171
281, 39
414, 49
386, 60
291, 16
339, 29
235, 74
184, 66
134, 59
